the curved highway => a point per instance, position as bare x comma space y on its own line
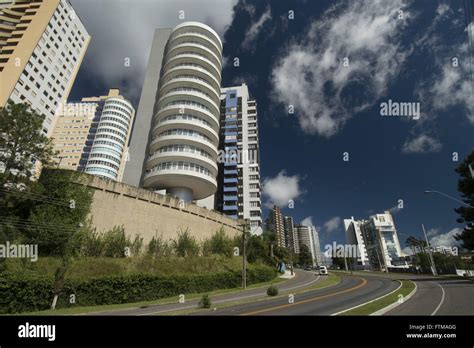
351, 291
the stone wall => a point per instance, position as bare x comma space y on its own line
147, 214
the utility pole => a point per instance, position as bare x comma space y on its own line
433, 266
244, 270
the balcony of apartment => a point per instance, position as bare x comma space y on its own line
230, 198
230, 171
231, 140
231, 180
229, 207
230, 163
230, 189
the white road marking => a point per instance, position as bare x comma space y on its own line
442, 299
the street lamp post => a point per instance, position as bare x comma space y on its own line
433, 266
244, 269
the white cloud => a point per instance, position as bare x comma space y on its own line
394, 210
281, 189
307, 221
120, 30
407, 251
332, 224
422, 144
446, 239
367, 33
450, 85
255, 28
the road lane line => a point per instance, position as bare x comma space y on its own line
363, 304
442, 299
228, 300
362, 284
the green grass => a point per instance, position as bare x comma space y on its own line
407, 287
168, 300
331, 280
88, 267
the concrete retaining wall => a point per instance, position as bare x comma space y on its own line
147, 214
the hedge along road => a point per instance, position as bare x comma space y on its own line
351, 291
301, 280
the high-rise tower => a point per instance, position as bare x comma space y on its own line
42, 44
176, 134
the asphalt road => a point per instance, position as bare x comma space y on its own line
351, 291
436, 296
302, 279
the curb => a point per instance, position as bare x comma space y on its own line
395, 304
363, 304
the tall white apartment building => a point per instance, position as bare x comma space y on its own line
306, 237
239, 188
42, 45
176, 134
92, 136
377, 241
355, 237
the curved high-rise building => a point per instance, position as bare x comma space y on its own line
109, 148
183, 141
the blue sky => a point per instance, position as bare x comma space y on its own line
405, 51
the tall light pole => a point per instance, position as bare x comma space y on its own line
433, 266
450, 197
244, 269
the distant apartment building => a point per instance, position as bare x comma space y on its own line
275, 225
354, 236
238, 183
42, 45
174, 145
291, 235
317, 247
305, 237
377, 241
92, 136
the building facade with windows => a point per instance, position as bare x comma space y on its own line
176, 135
239, 189
92, 136
275, 225
377, 241
42, 45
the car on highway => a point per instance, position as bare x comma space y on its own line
323, 270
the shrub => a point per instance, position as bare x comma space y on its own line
186, 244
205, 301
272, 290
27, 292
221, 244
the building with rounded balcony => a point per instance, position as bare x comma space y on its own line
184, 137
109, 148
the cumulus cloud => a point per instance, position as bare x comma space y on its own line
307, 221
281, 189
450, 85
422, 143
332, 224
446, 239
255, 28
311, 75
122, 30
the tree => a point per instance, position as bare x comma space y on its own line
257, 250
59, 212
466, 188
339, 262
221, 244
22, 143
305, 257
185, 245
